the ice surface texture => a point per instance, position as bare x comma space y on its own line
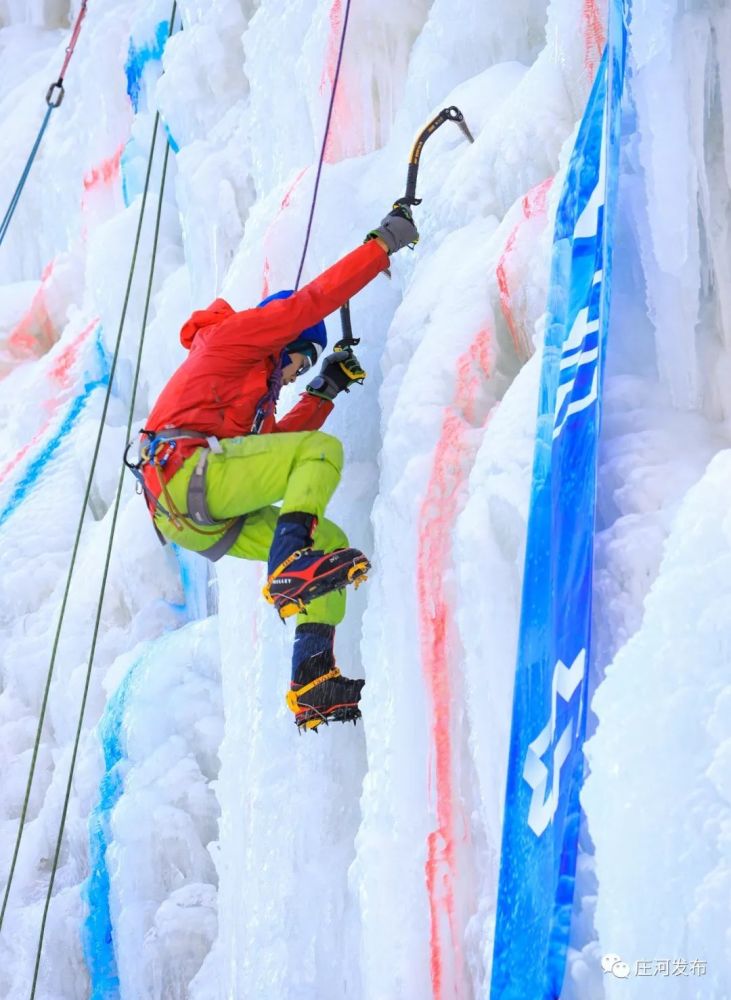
241, 860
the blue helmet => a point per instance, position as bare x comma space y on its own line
310, 342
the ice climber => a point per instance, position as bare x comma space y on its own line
214, 461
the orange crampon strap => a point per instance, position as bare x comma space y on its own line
293, 696
286, 606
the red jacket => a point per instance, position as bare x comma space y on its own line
233, 354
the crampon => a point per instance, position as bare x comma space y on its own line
308, 574
329, 698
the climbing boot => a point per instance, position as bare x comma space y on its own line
318, 692
301, 574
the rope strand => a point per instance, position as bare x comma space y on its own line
7, 218
74, 39
85, 502
325, 137
268, 403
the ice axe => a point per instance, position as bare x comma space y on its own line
450, 114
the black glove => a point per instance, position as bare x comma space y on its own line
397, 230
338, 372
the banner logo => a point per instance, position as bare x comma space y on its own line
565, 682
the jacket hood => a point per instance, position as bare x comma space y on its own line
201, 318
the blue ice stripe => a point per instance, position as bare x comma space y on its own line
98, 928
97, 932
194, 581
139, 57
173, 144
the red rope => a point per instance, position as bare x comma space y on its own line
74, 40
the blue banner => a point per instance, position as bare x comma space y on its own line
545, 771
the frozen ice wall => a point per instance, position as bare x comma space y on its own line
209, 851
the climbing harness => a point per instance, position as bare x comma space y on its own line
54, 97
266, 406
156, 453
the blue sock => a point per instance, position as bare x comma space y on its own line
312, 643
293, 531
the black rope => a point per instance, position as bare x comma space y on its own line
324, 144
74, 554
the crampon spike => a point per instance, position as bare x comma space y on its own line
312, 724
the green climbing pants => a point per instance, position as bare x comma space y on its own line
251, 475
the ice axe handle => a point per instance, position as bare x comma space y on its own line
410, 197
348, 341
450, 114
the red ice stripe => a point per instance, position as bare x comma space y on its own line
33, 334
594, 36
333, 47
285, 203
341, 115
439, 510
533, 205
105, 172
61, 369
59, 373
265, 279
437, 516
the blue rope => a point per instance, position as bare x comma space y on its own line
24, 176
